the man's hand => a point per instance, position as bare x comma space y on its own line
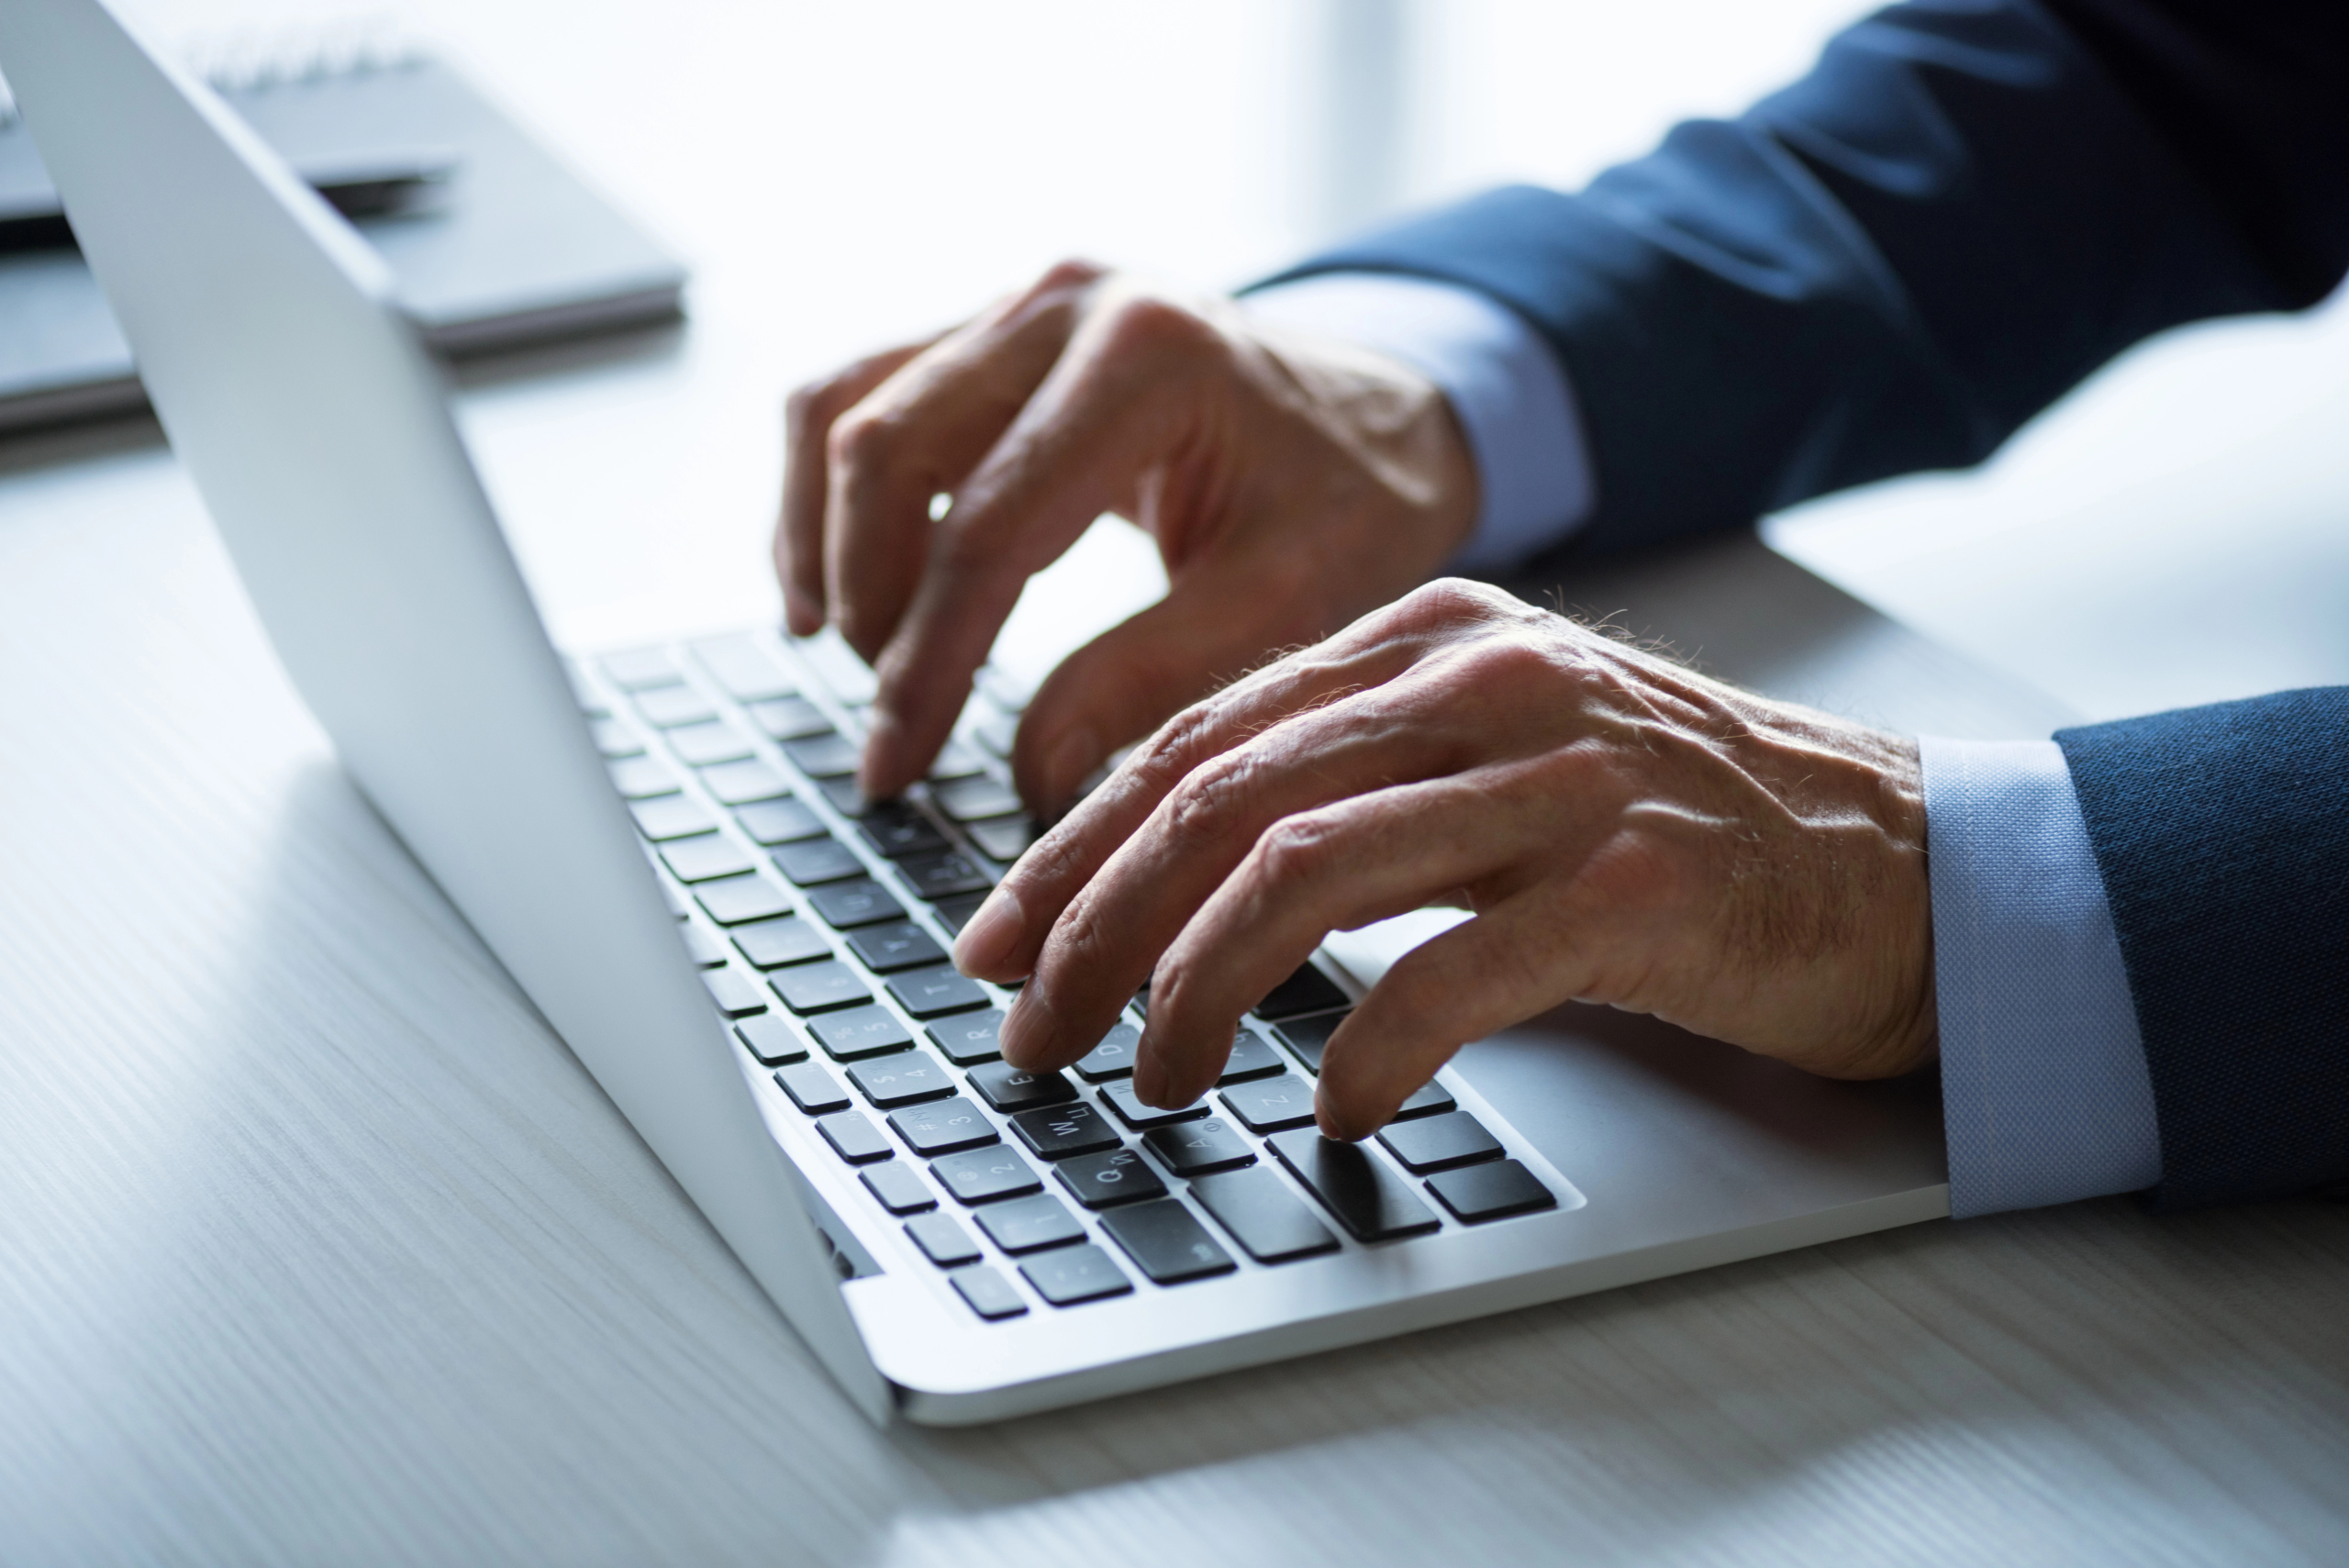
1291, 483
1624, 830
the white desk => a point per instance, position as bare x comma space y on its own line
317, 1247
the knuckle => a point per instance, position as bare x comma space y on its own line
1163, 760
1151, 325
1071, 272
1211, 802
1451, 601
859, 439
1298, 849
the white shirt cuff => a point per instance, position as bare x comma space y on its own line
1506, 387
2045, 1095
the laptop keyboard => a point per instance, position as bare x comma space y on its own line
820, 922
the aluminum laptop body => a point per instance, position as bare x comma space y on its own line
317, 430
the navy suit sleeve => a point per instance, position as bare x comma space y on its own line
1965, 208
2223, 837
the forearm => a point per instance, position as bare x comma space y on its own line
1888, 267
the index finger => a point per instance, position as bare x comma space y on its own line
1095, 422
1002, 939
807, 417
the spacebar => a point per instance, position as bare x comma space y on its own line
1354, 1186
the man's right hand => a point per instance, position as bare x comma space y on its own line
1292, 484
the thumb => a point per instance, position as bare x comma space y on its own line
1125, 683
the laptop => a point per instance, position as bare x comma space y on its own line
665, 847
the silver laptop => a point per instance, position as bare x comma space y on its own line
750, 959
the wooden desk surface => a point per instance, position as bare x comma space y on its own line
317, 1247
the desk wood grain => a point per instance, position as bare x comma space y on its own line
316, 1247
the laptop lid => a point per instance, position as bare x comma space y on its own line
316, 428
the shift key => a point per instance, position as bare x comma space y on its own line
1371, 1201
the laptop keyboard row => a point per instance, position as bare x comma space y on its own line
820, 922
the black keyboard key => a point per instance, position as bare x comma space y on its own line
743, 668
1372, 1202
942, 1127
737, 899
1307, 991
844, 796
898, 945
791, 718
823, 756
847, 905
899, 1189
642, 669
642, 778
1271, 1104
1308, 1038
1055, 1132
1440, 1142
742, 784
988, 1293
1100, 1181
770, 944
983, 1176
1264, 1216
907, 1078
1073, 1274
814, 861
736, 997
956, 912
942, 1239
1010, 1088
1167, 1243
1006, 839
812, 1089
1432, 1099
670, 817
1113, 1058
1030, 1224
1200, 1148
934, 993
1478, 1192
814, 987
674, 704
779, 821
1251, 1058
896, 830
706, 950
969, 1039
1119, 1097
975, 799
705, 745
705, 859
857, 1032
854, 1139
771, 1039
933, 877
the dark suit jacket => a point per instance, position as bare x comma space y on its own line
1966, 207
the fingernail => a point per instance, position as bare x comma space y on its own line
1327, 1118
876, 769
1073, 757
1149, 1078
1020, 1032
988, 938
